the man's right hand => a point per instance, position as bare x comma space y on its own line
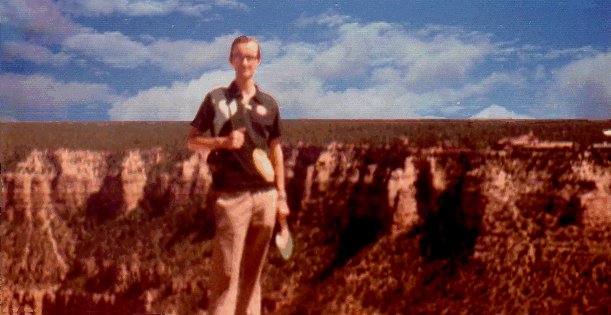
235, 140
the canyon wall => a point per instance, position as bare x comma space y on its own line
378, 229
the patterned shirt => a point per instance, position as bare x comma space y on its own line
221, 112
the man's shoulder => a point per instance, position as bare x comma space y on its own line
218, 93
265, 97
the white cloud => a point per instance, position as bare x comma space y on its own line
39, 19
446, 60
360, 51
387, 72
532, 53
112, 48
144, 7
376, 70
328, 19
540, 72
45, 22
187, 56
181, 56
35, 53
578, 53
44, 91
498, 112
582, 88
487, 84
234, 4
177, 102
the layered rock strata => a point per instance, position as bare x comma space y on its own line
378, 229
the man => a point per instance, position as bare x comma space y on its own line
248, 177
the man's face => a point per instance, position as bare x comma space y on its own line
244, 59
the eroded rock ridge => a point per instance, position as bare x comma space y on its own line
378, 229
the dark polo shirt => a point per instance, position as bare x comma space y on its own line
220, 113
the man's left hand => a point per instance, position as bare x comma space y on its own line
283, 211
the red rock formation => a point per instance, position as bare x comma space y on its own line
133, 178
37, 246
386, 230
402, 197
45, 198
80, 174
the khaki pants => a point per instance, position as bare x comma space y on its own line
244, 227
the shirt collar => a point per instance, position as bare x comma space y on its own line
234, 92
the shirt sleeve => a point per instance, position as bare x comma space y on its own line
205, 115
275, 130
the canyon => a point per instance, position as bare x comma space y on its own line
378, 229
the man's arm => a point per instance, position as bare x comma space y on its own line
196, 141
277, 159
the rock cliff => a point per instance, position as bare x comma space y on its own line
378, 229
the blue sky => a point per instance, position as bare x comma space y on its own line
97, 60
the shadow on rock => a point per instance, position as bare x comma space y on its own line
453, 217
108, 202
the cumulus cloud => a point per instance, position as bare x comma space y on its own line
188, 56
112, 48
379, 70
582, 88
375, 70
309, 97
12, 51
177, 102
144, 7
45, 22
38, 19
42, 91
360, 49
374, 50
498, 112
181, 56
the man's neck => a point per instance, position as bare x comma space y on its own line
246, 87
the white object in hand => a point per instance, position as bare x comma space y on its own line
284, 241
263, 165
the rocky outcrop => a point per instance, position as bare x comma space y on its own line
53, 197
79, 175
401, 195
378, 229
37, 246
494, 233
